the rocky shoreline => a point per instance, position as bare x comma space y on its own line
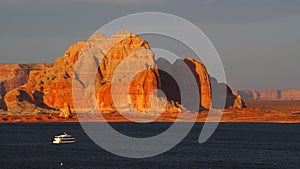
255, 113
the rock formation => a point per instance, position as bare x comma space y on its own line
66, 110
203, 81
238, 102
121, 66
221, 93
115, 60
269, 94
175, 76
15, 75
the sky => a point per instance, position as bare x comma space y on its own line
258, 40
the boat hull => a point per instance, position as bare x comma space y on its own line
63, 142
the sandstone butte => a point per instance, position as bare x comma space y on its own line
37, 89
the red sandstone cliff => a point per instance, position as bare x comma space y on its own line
113, 60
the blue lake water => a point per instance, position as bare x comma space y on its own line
233, 145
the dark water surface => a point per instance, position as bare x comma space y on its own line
233, 145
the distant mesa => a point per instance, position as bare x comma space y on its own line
269, 94
47, 88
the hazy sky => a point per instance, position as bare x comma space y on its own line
258, 40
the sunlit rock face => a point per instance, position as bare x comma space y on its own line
125, 72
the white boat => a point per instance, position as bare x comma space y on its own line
63, 139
